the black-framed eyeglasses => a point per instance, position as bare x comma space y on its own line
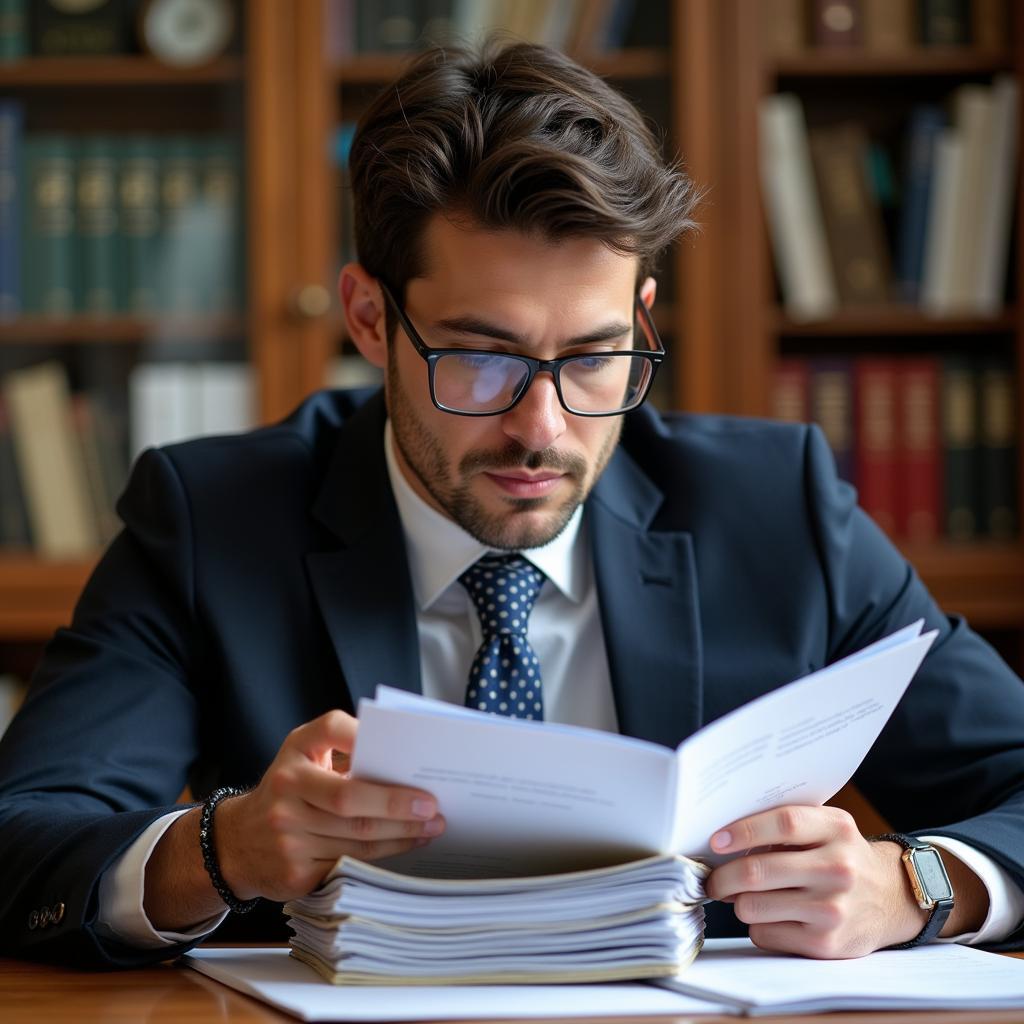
478, 382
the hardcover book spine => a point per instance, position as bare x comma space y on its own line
921, 462
186, 232
998, 455
791, 391
944, 22
837, 23
11, 201
139, 200
926, 124
13, 30
889, 25
853, 220
960, 442
831, 388
98, 28
50, 228
876, 430
98, 233
14, 528
221, 185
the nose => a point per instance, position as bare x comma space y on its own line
539, 419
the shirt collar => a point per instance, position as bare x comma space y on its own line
439, 550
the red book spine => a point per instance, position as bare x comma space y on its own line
877, 434
921, 450
790, 394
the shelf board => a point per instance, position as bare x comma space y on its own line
119, 70
902, 320
127, 329
380, 68
946, 61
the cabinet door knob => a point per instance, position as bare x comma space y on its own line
311, 301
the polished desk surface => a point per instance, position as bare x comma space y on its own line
37, 993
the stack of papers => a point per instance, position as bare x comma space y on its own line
367, 925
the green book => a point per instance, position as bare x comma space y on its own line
139, 208
49, 225
185, 231
13, 30
222, 205
101, 291
960, 448
998, 455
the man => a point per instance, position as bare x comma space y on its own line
510, 208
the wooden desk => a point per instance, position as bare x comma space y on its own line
37, 994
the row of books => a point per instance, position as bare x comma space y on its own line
930, 443
103, 224
824, 193
578, 26
64, 456
792, 27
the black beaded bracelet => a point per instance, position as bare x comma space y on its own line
209, 851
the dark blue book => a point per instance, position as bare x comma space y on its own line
11, 125
926, 123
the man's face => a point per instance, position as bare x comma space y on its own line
511, 480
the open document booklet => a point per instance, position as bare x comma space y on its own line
567, 852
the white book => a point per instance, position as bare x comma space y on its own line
940, 237
973, 111
793, 209
225, 394
997, 192
523, 797
934, 977
163, 406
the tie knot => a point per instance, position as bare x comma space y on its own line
503, 589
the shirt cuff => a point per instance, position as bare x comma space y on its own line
1005, 899
121, 914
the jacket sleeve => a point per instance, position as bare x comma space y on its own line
950, 761
104, 741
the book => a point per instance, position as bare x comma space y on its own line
960, 443
877, 431
14, 528
940, 240
12, 200
998, 165
944, 22
832, 408
920, 465
96, 28
888, 26
997, 455
99, 234
790, 393
369, 926
139, 194
50, 462
13, 29
793, 209
852, 216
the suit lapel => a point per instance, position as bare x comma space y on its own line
363, 587
647, 589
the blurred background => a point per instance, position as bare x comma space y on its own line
174, 209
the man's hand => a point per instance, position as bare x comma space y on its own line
810, 883
281, 839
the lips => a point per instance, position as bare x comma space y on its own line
525, 485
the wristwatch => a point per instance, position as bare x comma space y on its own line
929, 881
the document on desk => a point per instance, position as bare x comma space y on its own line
525, 797
935, 977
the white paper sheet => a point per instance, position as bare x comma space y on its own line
276, 978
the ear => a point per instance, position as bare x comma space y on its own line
363, 303
648, 290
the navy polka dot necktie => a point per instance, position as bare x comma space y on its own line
504, 678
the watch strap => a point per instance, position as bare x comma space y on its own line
941, 909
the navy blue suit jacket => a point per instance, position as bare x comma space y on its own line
261, 580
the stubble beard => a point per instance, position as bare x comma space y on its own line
512, 529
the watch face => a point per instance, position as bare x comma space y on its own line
932, 874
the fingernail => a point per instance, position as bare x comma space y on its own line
434, 827
721, 840
423, 808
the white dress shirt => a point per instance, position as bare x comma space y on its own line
566, 635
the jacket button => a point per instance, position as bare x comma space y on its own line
33, 920
57, 913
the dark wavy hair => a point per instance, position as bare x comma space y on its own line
510, 136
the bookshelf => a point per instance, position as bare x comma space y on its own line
704, 66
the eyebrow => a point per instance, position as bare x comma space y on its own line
474, 325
